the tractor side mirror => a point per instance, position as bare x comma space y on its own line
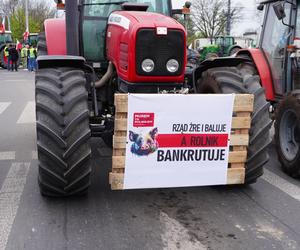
279, 10
260, 7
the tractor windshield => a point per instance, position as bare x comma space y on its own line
104, 8
5, 38
298, 21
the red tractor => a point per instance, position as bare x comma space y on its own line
106, 47
278, 65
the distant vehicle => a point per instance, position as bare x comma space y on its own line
223, 46
200, 43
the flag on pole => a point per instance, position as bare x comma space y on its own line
26, 35
2, 26
18, 45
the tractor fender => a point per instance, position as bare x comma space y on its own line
214, 63
55, 31
263, 69
60, 61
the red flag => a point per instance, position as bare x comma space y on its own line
18, 45
2, 25
25, 35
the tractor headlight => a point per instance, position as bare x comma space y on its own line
172, 65
148, 65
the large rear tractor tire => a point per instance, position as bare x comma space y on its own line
287, 134
63, 132
229, 80
42, 45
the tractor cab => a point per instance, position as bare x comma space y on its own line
5, 37
94, 16
281, 28
224, 41
227, 45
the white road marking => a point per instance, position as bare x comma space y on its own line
176, 236
4, 106
10, 195
9, 155
28, 114
289, 188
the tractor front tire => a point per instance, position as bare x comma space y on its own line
287, 134
228, 80
63, 132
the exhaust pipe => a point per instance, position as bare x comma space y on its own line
72, 23
104, 79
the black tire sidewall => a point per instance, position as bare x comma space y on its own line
289, 103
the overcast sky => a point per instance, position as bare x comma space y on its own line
249, 20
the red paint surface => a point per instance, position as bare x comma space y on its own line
119, 36
55, 30
263, 69
191, 140
143, 120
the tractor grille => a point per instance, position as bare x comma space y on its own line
160, 49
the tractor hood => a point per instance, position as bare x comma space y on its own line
139, 19
134, 36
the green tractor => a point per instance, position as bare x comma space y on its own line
222, 46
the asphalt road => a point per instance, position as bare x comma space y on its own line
262, 216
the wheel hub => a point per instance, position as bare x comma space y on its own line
289, 135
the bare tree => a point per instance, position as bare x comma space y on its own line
210, 17
8, 6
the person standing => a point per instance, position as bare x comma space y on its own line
7, 54
24, 57
14, 55
32, 57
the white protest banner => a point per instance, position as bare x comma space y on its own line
177, 140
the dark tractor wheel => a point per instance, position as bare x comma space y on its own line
229, 80
63, 132
287, 134
42, 45
234, 50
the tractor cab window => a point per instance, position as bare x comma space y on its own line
102, 8
298, 21
224, 41
228, 41
5, 38
274, 41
